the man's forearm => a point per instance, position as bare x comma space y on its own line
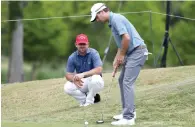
117, 54
97, 71
124, 46
70, 77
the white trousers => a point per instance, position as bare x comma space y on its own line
91, 86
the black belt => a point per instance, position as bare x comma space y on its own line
140, 47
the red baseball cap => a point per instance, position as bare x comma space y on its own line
82, 38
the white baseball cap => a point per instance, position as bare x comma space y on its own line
95, 9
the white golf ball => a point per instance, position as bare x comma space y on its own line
86, 123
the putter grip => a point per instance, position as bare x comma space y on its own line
114, 72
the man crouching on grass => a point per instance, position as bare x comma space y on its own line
87, 81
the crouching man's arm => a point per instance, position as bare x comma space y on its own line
74, 78
95, 71
70, 75
70, 68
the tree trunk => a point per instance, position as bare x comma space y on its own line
15, 72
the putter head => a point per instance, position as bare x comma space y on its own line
100, 122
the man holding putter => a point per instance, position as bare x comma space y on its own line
132, 53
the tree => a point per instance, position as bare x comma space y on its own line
15, 73
45, 40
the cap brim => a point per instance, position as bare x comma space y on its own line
82, 43
93, 16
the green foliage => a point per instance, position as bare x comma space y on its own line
46, 72
3, 76
4, 29
44, 39
51, 40
4, 70
182, 36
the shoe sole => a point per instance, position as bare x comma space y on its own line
121, 118
123, 125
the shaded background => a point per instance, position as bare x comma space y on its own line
38, 48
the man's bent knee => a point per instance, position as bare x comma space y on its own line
97, 81
67, 88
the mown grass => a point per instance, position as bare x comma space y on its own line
164, 97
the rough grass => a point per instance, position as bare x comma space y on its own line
164, 97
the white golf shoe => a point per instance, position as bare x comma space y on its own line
81, 105
87, 104
123, 122
84, 105
118, 117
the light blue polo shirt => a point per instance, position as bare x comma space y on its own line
85, 63
119, 26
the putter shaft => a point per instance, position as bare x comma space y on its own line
113, 76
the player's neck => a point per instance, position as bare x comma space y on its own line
83, 53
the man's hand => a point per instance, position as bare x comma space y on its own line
78, 83
120, 59
79, 76
115, 64
77, 79
124, 47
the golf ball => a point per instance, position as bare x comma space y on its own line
86, 123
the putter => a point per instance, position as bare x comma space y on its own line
99, 121
102, 119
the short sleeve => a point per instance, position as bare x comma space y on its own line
119, 25
70, 66
97, 62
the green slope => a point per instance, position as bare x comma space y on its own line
164, 97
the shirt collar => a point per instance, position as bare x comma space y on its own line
88, 51
110, 18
